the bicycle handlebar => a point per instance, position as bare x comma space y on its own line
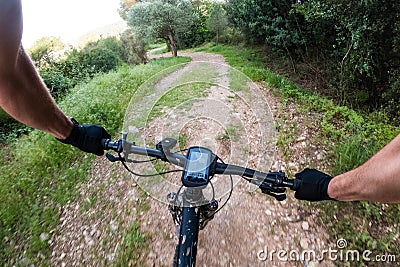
272, 183
276, 178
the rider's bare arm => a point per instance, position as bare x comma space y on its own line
376, 180
23, 94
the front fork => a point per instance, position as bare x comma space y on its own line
206, 211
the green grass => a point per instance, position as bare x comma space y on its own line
157, 45
229, 134
40, 174
203, 72
351, 138
182, 96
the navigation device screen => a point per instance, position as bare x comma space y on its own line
198, 162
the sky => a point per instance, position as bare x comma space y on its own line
68, 19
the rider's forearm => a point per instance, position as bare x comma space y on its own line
25, 97
22, 93
376, 180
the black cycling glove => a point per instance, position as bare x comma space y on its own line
87, 137
314, 186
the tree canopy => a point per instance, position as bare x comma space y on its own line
43, 49
218, 20
169, 20
124, 7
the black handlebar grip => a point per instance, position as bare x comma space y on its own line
108, 145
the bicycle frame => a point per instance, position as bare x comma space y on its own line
190, 216
188, 237
189, 228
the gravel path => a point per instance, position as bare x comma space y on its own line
249, 228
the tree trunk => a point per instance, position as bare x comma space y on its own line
172, 45
372, 93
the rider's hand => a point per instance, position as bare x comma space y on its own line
87, 137
314, 186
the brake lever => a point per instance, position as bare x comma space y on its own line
279, 197
113, 158
277, 192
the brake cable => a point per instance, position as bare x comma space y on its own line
230, 193
145, 175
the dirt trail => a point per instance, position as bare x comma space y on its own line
250, 222
250, 226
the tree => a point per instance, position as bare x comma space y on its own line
124, 7
43, 50
167, 19
218, 20
133, 49
199, 33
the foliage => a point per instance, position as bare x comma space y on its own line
169, 20
38, 174
352, 46
56, 81
199, 33
78, 66
42, 51
133, 49
363, 48
124, 6
391, 98
10, 128
99, 60
218, 20
110, 43
267, 22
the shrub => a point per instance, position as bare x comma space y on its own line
56, 81
133, 49
98, 60
79, 66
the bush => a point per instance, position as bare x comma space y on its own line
10, 129
79, 66
56, 82
133, 50
109, 43
98, 60
391, 98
